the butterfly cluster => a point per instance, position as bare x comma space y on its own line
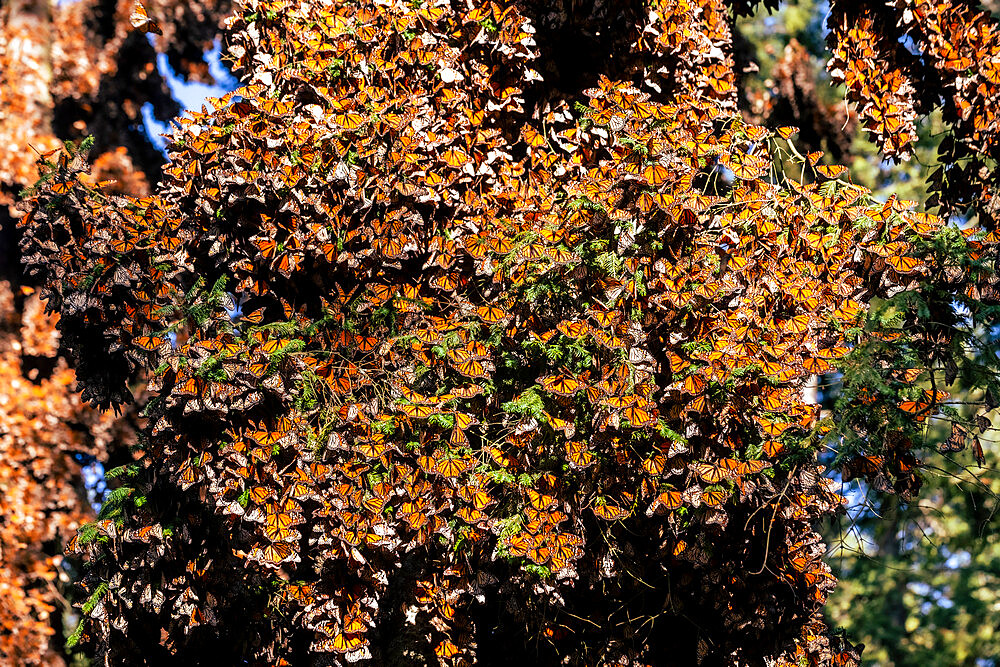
953, 65
456, 353
45, 433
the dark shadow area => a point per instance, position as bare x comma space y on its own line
579, 40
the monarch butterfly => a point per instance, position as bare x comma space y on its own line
542, 520
374, 504
904, 265
639, 417
744, 167
773, 448
266, 248
141, 21
477, 245
646, 202
472, 368
532, 137
340, 385
798, 324
419, 411
656, 174
830, 171
365, 343
573, 328
427, 463
371, 449
62, 187
579, 456
150, 343
265, 437
189, 476
229, 348
677, 363
460, 354
620, 402
532, 252
276, 345
773, 428
848, 311
540, 501
560, 256
562, 555
479, 498
122, 245
710, 473
350, 120
694, 384
464, 421
655, 464
471, 515
260, 494
914, 407
301, 593
816, 366
714, 497
446, 648
540, 554
356, 622
366, 32
491, 315
275, 554
569, 539
348, 642
609, 341
751, 467
240, 107
610, 512
467, 391
280, 530
458, 438
561, 385
192, 386
455, 158
670, 500
500, 245
519, 544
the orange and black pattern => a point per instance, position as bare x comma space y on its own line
463, 353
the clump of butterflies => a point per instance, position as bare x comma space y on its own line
508, 353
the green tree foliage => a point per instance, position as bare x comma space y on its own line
919, 581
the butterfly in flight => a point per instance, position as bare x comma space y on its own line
141, 21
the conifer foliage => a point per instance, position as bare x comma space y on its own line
477, 333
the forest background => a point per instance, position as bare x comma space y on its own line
919, 579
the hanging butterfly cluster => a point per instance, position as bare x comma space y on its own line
78, 58
45, 431
459, 354
951, 63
